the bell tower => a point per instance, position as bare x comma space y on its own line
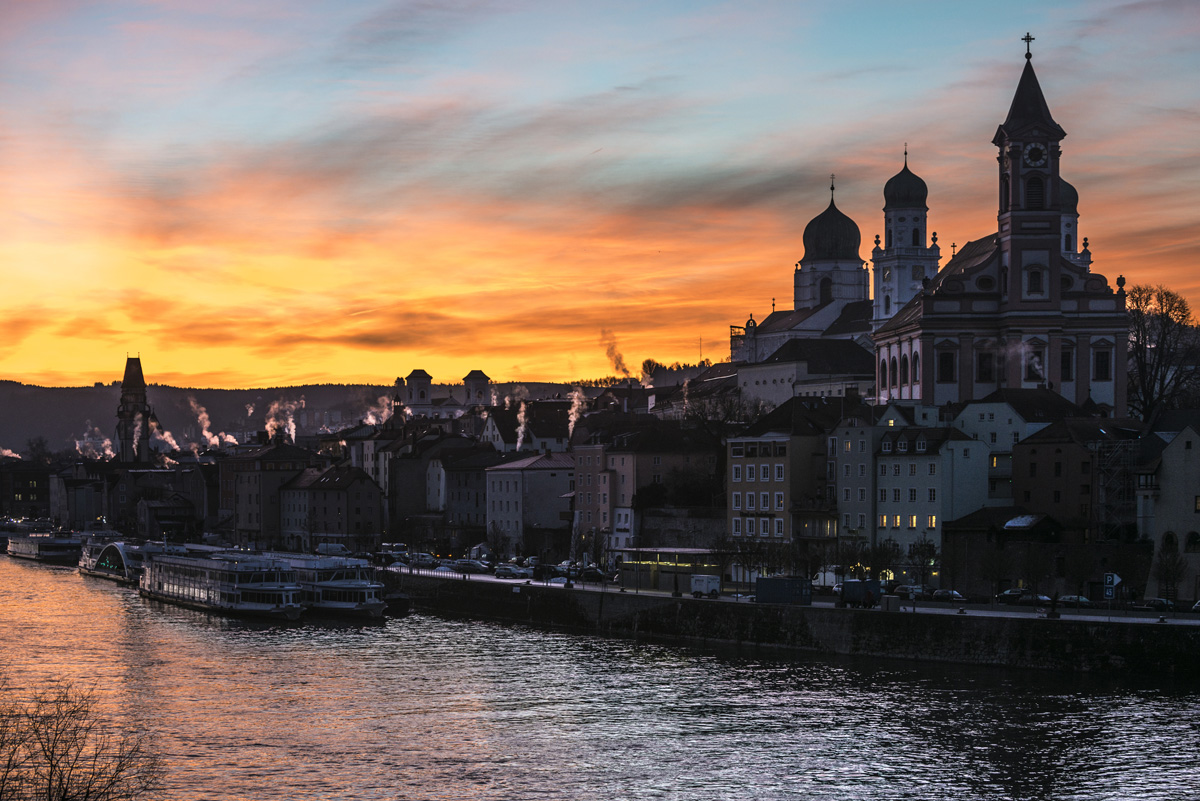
133, 415
1032, 197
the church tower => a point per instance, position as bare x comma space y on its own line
133, 416
904, 261
831, 271
1032, 199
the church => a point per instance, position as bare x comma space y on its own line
1018, 308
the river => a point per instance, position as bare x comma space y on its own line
427, 708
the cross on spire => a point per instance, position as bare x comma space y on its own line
1027, 39
831, 186
906, 154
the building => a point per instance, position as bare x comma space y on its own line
1018, 308
134, 416
339, 504
528, 503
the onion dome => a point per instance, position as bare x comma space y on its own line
905, 190
1068, 197
831, 236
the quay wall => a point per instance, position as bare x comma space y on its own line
1097, 645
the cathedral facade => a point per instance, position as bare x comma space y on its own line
1018, 308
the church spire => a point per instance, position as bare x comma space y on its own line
1029, 109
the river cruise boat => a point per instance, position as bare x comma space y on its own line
227, 582
54, 549
115, 560
336, 585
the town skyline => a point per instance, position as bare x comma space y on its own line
284, 196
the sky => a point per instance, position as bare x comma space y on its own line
295, 191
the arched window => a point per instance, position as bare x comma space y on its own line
826, 291
916, 368
903, 370
883, 374
889, 237
1035, 193
421, 395
1193, 542
1035, 282
1170, 542
1003, 193
894, 372
1067, 243
916, 238
887, 304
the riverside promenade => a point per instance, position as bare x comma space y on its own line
1086, 642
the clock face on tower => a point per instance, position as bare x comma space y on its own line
1035, 155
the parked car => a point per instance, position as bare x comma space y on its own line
593, 573
1075, 601
470, 566
508, 572
1012, 595
1034, 600
914, 591
1196, 606
423, 560
1158, 605
953, 596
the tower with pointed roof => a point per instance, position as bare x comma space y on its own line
133, 416
907, 254
1019, 308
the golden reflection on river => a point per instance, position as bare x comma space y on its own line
426, 708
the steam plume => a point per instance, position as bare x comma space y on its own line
281, 417
381, 412
93, 444
249, 410
521, 425
609, 341
137, 433
210, 439
577, 405
5, 452
160, 434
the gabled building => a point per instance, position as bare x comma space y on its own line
780, 479
809, 368
1082, 473
1003, 419
340, 504
529, 503
249, 491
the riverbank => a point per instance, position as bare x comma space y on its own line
1094, 645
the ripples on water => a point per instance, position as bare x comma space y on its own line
426, 708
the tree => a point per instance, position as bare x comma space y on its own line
38, 450
1164, 357
923, 559
1170, 567
57, 747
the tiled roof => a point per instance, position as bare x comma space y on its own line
541, 461
826, 356
854, 319
1034, 404
971, 255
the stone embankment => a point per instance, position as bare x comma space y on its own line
1022, 640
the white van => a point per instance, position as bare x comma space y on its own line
332, 549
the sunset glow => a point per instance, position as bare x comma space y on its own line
281, 192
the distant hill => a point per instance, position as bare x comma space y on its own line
64, 414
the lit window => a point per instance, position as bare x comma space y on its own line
932, 521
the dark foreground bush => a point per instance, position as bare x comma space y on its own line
56, 747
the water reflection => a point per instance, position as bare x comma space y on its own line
425, 708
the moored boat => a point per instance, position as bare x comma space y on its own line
336, 585
50, 548
117, 561
228, 582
